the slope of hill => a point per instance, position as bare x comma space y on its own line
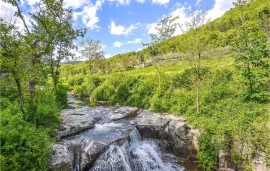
221, 32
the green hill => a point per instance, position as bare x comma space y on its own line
218, 33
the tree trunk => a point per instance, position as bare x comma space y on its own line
32, 82
198, 78
198, 96
53, 76
19, 88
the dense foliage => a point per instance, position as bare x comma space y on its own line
31, 95
25, 143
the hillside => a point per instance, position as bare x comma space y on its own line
221, 32
231, 117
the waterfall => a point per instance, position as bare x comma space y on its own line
114, 159
135, 155
135, 136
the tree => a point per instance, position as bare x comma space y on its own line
252, 59
63, 43
194, 46
50, 24
12, 59
92, 50
165, 30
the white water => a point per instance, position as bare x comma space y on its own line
135, 155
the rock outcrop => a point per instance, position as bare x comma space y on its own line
86, 133
168, 127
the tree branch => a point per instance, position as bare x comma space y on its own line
21, 16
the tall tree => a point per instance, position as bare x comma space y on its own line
12, 57
194, 47
93, 51
157, 47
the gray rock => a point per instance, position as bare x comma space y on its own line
122, 112
61, 158
225, 163
259, 165
74, 123
173, 129
90, 151
151, 124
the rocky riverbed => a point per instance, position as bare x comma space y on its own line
122, 138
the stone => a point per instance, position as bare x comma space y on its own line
90, 151
75, 123
259, 165
176, 129
225, 163
61, 158
122, 112
195, 133
151, 124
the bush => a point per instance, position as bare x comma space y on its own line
207, 156
23, 147
61, 96
142, 92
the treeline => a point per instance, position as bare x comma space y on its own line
31, 93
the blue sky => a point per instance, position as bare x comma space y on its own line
123, 25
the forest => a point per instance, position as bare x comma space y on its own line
216, 75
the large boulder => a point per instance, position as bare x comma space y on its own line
75, 123
151, 124
169, 128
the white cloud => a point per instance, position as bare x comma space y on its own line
117, 44
108, 55
121, 30
120, 2
151, 28
140, 1
220, 7
160, 2
75, 4
139, 49
7, 11
89, 14
31, 2
136, 41
182, 11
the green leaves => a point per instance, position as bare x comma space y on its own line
252, 61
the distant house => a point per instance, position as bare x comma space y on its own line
142, 65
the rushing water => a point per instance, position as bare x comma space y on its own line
134, 155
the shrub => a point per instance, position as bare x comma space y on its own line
61, 96
23, 147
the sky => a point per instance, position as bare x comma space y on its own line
123, 25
